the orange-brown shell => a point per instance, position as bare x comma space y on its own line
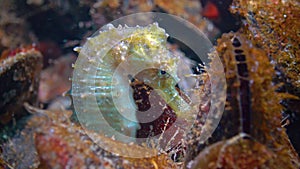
274, 25
61, 143
269, 137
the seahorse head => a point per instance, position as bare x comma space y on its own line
166, 86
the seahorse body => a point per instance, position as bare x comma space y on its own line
118, 52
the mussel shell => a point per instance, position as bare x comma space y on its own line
19, 77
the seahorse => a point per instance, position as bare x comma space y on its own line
250, 134
102, 70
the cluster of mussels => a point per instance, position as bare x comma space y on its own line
249, 135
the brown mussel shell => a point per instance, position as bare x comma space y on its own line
19, 78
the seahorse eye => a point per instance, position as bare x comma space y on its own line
163, 72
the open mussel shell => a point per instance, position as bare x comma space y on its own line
241, 151
19, 77
60, 143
